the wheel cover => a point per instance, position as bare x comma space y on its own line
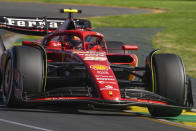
8, 79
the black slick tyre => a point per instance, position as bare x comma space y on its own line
2, 46
2, 49
23, 76
169, 81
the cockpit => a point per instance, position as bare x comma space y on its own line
71, 42
73, 39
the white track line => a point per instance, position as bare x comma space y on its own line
193, 110
24, 125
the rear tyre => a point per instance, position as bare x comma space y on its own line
169, 81
23, 76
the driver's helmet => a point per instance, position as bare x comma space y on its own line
76, 42
73, 41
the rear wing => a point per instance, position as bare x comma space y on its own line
37, 25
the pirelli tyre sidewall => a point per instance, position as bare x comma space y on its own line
2, 46
168, 81
2, 49
23, 75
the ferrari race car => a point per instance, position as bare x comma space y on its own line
73, 64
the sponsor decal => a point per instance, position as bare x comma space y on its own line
105, 79
95, 55
101, 82
96, 58
91, 55
33, 23
89, 52
102, 72
107, 82
108, 87
80, 52
102, 76
110, 93
59, 98
99, 67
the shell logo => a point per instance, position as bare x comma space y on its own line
99, 67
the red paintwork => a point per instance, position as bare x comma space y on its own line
65, 98
88, 98
146, 101
95, 60
130, 47
106, 81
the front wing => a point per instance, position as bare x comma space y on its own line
117, 104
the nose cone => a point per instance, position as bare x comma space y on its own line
110, 95
101, 75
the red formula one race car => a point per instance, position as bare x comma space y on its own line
72, 64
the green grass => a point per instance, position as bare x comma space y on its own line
178, 21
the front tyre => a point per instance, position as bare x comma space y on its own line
2, 46
2, 49
168, 81
23, 75
8, 97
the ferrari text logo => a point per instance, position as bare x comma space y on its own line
33, 23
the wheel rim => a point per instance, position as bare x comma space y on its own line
7, 79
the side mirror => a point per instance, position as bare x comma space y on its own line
130, 47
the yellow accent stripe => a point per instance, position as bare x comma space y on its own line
45, 78
17, 44
153, 81
70, 10
188, 113
46, 70
138, 109
153, 84
63, 57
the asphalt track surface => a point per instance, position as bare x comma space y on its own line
60, 118
51, 10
